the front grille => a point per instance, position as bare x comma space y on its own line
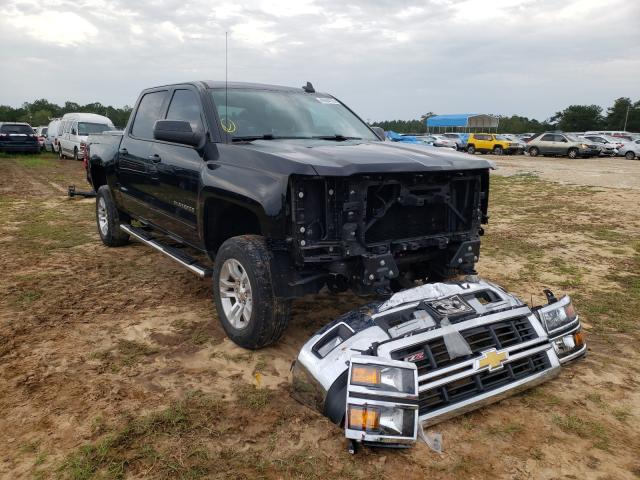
496, 335
474, 385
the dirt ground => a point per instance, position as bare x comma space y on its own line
113, 364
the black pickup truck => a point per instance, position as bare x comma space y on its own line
285, 191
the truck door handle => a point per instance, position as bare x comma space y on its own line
123, 151
155, 158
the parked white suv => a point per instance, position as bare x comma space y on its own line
76, 127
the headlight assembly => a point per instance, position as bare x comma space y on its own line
382, 401
557, 315
386, 378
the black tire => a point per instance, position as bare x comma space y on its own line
533, 151
269, 314
75, 153
111, 235
573, 153
497, 150
630, 155
60, 153
471, 149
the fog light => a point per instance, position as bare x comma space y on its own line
578, 338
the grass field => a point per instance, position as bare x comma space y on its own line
113, 365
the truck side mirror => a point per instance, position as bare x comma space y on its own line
176, 131
379, 131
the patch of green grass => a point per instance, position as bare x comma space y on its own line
253, 397
506, 429
29, 447
260, 365
621, 414
201, 336
130, 448
583, 428
42, 227
131, 351
40, 458
26, 298
33, 161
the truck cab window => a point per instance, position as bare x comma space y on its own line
147, 114
186, 107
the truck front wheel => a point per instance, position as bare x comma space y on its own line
251, 315
108, 219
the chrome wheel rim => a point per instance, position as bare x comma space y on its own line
102, 216
235, 293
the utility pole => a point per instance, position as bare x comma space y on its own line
626, 117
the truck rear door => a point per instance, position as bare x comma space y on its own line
135, 167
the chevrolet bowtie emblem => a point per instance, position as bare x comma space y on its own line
492, 359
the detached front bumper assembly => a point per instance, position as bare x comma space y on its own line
386, 370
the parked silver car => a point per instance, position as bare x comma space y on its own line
608, 145
436, 141
558, 143
630, 150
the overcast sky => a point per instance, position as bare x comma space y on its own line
384, 58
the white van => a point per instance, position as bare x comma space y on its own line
51, 139
76, 127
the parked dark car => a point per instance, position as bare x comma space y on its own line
18, 137
285, 190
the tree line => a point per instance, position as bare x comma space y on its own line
574, 118
40, 112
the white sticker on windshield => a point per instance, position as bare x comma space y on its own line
327, 100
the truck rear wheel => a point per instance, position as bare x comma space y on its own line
250, 314
108, 219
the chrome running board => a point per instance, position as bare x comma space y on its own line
174, 254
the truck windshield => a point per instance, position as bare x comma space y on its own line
85, 128
269, 114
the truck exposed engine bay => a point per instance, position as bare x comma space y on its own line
429, 353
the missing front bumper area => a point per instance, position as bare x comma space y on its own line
387, 369
367, 230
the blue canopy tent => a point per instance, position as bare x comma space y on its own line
463, 122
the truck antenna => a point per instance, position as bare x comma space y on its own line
226, 76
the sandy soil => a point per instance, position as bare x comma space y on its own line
93, 339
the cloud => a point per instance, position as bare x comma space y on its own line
64, 28
386, 59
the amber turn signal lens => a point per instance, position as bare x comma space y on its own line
363, 418
365, 375
578, 337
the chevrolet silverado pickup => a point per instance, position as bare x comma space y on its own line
283, 191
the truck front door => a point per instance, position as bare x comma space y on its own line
176, 170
